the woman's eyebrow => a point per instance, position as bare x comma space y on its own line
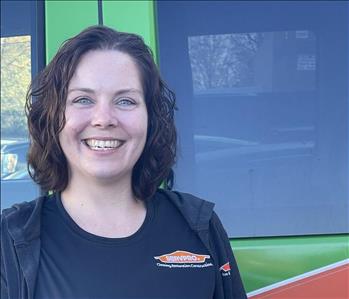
128, 90
117, 93
88, 90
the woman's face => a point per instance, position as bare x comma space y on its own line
106, 117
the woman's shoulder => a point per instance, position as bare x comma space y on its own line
22, 216
197, 211
22, 209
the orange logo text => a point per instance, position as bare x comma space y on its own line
182, 257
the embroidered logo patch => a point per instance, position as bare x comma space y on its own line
225, 269
183, 259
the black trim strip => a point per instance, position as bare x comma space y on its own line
38, 46
40, 36
100, 12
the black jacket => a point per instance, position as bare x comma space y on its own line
20, 246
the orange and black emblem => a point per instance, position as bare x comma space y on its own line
182, 257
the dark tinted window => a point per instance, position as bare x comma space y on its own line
263, 110
21, 57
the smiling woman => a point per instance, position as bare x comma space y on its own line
103, 140
72, 80
106, 124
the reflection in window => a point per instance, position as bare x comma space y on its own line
239, 63
263, 111
15, 79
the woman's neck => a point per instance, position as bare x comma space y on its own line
105, 209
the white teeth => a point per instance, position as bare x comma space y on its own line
96, 144
101, 143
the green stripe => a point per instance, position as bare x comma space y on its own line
65, 19
264, 261
132, 16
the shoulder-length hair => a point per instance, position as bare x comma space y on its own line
45, 109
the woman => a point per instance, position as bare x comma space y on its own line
103, 140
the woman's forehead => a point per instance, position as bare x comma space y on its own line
106, 70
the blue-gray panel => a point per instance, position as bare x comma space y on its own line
262, 91
15, 18
21, 18
17, 191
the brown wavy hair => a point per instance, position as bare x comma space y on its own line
45, 109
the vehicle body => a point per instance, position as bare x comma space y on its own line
13, 158
16, 184
271, 150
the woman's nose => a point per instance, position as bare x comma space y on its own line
104, 116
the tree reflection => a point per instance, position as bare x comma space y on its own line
224, 60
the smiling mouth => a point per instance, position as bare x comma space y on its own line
103, 145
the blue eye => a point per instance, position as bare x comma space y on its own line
83, 101
125, 102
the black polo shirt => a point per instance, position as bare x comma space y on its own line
163, 259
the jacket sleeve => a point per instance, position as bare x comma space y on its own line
4, 292
228, 281
4, 289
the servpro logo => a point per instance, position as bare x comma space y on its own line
183, 259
